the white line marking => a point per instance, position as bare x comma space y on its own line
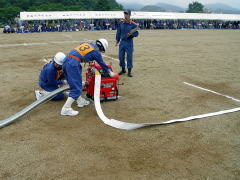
44, 43
67, 36
45, 60
110, 57
88, 40
203, 116
214, 92
109, 33
36, 44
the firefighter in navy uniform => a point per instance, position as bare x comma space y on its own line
72, 68
126, 31
51, 77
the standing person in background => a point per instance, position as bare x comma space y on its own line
7, 29
126, 31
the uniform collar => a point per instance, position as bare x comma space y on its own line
124, 20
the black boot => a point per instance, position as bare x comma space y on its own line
123, 71
129, 72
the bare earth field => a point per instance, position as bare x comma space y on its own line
45, 145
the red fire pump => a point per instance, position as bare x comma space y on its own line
109, 85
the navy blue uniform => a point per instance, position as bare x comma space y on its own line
126, 43
72, 68
49, 79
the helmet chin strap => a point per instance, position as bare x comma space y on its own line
57, 66
100, 47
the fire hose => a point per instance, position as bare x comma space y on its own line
111, 122
24, 111
130, 126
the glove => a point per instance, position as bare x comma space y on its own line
111, 74
93, 70
114, 75
64, 82
130, 37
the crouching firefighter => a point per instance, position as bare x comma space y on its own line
51, 77
72, 68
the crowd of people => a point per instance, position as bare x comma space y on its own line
60, 26
94, 25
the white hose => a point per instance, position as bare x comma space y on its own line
111, 122
45, 98
131, 126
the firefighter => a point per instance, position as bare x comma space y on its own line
126, 31
51, 77
72, 68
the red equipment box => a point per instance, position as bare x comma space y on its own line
108, 90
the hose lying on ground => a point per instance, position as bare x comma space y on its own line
45, 98
131, 126
111, 122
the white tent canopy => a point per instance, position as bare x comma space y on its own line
57, 15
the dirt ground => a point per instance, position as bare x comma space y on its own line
45, 145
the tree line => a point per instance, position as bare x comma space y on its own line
9, 9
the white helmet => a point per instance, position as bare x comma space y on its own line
58, 58
103, 44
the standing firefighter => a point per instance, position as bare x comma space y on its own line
72, 68
51, 77
126, 31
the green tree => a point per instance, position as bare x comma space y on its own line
75, 8
102, 5
8, 14
195, 7
48, 7
114, 5
3, 3
87, 4
23, 4
9, 9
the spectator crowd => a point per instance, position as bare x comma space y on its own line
94, 25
